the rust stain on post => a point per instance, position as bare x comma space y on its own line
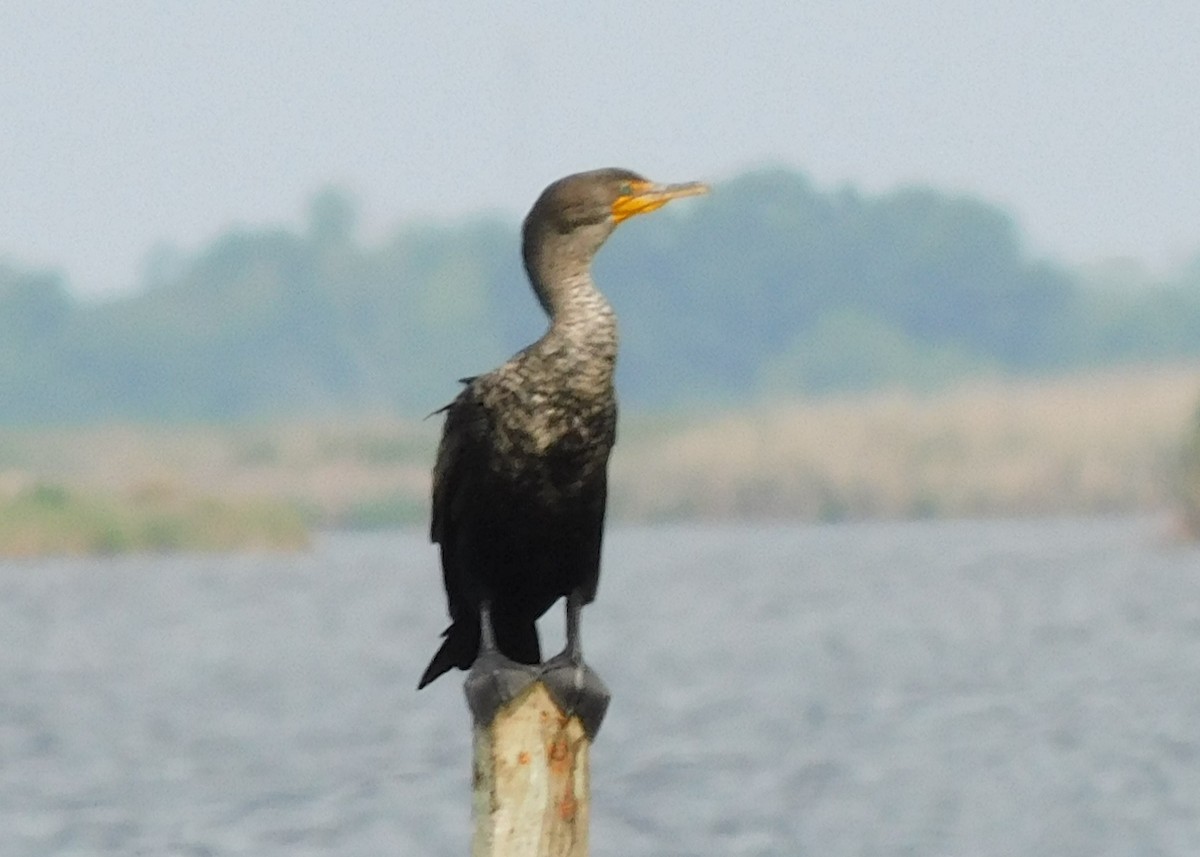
567, 807
531, 784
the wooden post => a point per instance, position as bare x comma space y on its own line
531, 788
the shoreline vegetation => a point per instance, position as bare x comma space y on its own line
50, 519
774, 286
1112, 442
1189, 481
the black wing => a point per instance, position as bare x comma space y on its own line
457, 476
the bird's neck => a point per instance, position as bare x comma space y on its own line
583, 326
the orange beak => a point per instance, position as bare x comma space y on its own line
648, 196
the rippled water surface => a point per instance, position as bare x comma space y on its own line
957, 688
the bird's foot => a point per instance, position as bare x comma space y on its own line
577, 690
493, 682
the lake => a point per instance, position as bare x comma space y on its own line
944, 688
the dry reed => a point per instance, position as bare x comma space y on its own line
1099, 443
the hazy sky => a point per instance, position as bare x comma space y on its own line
127, 123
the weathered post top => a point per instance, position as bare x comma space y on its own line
531, 789
533, 728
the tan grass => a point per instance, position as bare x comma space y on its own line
1071, 445
1089, 444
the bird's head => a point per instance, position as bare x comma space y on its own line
585, 208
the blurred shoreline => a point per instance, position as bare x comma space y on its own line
1107, 442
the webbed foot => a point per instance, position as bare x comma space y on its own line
493, 682
577, 689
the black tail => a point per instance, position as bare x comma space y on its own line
457, 650
517, 640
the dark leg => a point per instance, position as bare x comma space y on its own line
494, 680
576, 688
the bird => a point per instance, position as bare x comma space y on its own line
521, 474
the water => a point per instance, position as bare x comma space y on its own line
958, 688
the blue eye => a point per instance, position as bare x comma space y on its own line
626, 189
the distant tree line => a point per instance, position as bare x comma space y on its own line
770, 286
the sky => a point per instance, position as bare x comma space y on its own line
126, 125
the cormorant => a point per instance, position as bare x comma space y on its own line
520, 482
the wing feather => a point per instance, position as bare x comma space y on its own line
459, 468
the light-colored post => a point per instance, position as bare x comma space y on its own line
531, 781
